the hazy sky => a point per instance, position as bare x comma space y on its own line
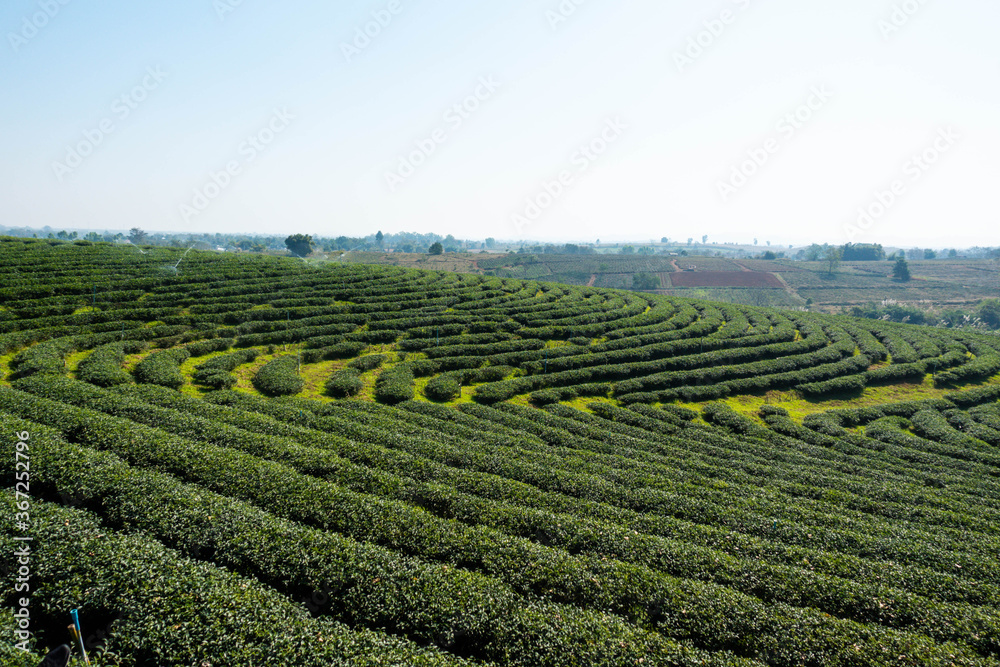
572, 120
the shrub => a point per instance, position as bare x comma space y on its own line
368, 363
162, 368
103, 367
395, 385
443, 387
344, 384
279, 377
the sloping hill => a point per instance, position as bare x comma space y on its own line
523, 473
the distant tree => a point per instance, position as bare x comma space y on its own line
64, 235
914, 253
93, 237
930, 254
628, 250
491, 243
664, 240
755, 241
952, 253
901, 270
989, 312
704, 239
647, 250
769, 255
645, 281
832, 258
863, 252
768, 244
299, 244
814, 252
690, 241
436, 248
379, 239
136, 236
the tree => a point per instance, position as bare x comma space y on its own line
901, 270
93, 237
863, 252
645, 281
755, 241
989, 312
299, 244
379, 239
664, 240
952, 253
930, 254
628, 250
704, 239
491, 243
436, 248
832, 257
769, 255
136, 235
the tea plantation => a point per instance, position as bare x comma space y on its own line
249, 460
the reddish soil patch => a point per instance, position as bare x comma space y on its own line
724, 279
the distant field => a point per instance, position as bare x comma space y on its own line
782, 283
724, 279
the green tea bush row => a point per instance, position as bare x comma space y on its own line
344, 383
395, 385
103, 366
279, 377
148, 591
162, 368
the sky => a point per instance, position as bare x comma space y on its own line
552, 120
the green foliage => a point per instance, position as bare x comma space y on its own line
901, 270
395, 385
279, 377
162, 368
217, 372
443, 387
344, 384
300, 244
645, 281
575, 514
368, 363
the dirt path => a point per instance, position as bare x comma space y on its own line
788, 288
673, 263
743, 268
593, 279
